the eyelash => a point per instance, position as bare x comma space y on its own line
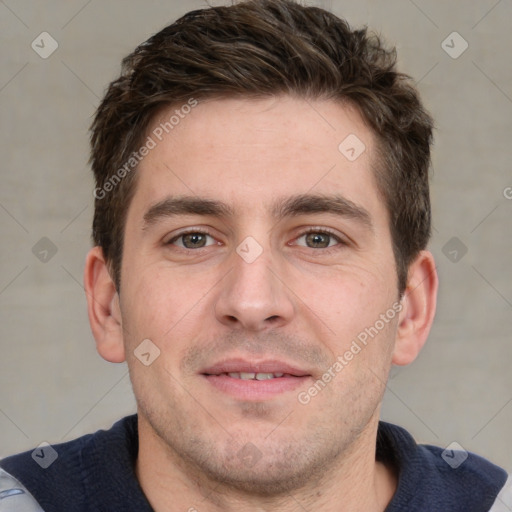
323, 231
189, 232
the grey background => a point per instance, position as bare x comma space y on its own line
53, 385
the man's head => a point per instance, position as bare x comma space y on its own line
264, 49
268, 243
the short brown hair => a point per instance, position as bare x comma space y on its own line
261, 48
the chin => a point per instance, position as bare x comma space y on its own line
277, 469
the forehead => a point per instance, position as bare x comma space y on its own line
247, 152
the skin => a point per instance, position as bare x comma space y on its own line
303, 301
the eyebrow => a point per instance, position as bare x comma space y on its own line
173, 206
288, 207
319, 203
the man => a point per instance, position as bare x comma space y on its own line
261, 221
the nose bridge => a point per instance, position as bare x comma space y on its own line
253, 296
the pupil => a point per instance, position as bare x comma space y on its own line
194, 240
317, 240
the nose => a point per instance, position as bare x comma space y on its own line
253, 296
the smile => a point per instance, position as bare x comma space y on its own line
254, 376
251, 381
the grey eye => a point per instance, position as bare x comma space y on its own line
195, 240
317, 240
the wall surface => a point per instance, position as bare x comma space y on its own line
54, 386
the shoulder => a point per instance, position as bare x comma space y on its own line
503, 502
433, 478
60, 476
15, 496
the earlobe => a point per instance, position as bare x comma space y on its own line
103, 307
419, 307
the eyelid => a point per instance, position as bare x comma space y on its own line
341, 239
188, 231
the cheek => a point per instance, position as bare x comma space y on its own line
360, 333
146, 306
163, 305
347, 300
362, 356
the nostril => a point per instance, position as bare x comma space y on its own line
272, 318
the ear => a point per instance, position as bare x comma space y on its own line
419, 307
103, 307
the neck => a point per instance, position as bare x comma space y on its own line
356, 482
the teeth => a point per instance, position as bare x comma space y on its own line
254, 376
264, 376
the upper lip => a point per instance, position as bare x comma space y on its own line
243, 365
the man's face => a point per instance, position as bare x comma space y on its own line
253, 245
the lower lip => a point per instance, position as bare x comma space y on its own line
256, 390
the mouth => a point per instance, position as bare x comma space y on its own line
254, 381
255, 376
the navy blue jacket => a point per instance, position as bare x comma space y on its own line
96, 473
